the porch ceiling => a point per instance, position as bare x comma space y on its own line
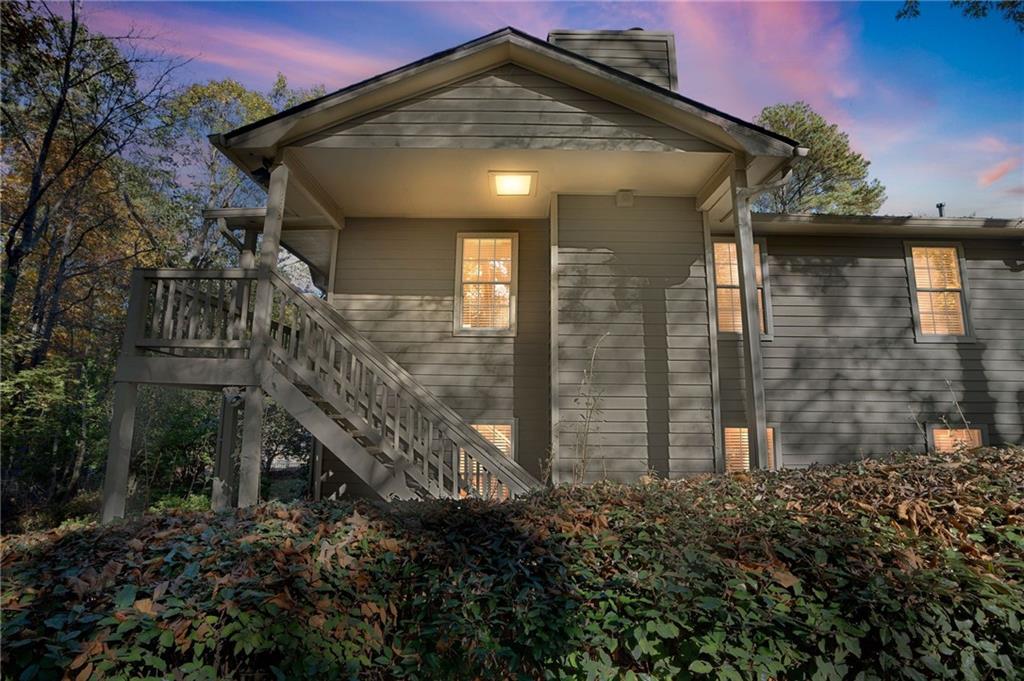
453, 183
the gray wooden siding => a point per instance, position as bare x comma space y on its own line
636, 274
647, 55
509, 107
844, 376
395, 282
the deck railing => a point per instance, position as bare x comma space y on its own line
210, 313
196, 313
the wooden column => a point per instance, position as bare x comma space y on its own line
252, 419
757, 428
122, 429
252, 441
224, 465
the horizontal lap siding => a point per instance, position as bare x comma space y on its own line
646, 56
395, 282
509, 107
844, 376
633, 279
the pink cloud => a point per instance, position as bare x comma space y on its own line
991, 144
994, 173
256, 50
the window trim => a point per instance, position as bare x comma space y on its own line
497, 421
777, 442
965, 293
513, 325
769, 320
932, 427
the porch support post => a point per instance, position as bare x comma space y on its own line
757, 427
252, 440
252, 420
224, 466
122, 429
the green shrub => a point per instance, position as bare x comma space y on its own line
175, 502
904, 569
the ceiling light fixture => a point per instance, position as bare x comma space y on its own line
513, 182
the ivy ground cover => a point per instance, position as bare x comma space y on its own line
906, 568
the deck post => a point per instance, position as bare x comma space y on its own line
224, 465
122, 430
252, 418
252, 441
757, 428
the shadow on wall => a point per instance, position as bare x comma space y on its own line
396, 281
844, 374
620, 284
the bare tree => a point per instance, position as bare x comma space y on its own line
72, 103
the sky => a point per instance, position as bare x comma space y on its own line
936, 103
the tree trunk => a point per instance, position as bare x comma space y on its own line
22, 235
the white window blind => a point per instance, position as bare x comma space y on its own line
952, 439
737, 449
472, 473
486, 283
728, 296
939, 290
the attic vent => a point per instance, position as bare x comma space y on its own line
650, 55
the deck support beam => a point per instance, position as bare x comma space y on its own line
122, 431
222, 495
252, 444
757, 422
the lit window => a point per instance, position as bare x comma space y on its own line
486, 284
953, 439
938, 290
473, 474
728, 295
737, 449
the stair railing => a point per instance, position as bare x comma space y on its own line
442, 452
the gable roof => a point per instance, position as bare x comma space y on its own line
504, 46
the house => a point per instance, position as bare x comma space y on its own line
538, 258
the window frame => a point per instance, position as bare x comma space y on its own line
776, 442
932, 427
769, 321
512, 330
965, 293
500, 421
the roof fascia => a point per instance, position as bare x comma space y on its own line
891, 226
497, 48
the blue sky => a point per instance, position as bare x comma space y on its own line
936, 103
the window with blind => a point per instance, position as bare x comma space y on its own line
737, 449
728, 296
485, 284
501, 434
938, 291
946, 439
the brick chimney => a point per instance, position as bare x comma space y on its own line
650, 55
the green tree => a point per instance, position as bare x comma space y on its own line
207, 178
832, 179
1012, 10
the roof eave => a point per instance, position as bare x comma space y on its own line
511, 45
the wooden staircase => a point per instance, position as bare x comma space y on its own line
395, 437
